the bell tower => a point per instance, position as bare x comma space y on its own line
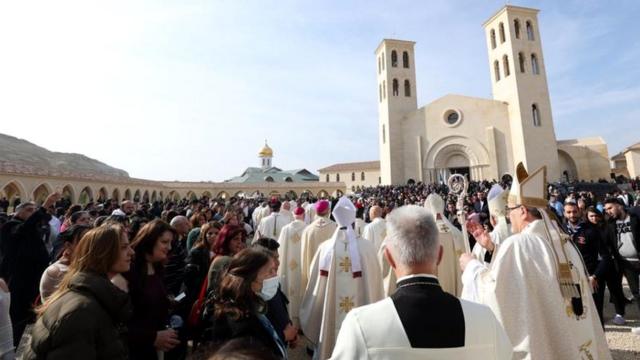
519, 78
266, 155
396, 78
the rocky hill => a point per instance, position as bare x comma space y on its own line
27, 157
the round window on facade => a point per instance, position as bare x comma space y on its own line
452, 117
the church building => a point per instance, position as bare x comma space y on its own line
482, 138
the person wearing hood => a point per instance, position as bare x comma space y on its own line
344, 274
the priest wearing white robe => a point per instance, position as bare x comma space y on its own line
344, 275
289, 269
285, 212
452, 242
497, 201
420, 320
536, 283
319, 231
376, 230
271, 225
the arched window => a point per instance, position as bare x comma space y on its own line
379, 179
407, 88
382, 57
521, 61
396, 87
536, 115
496, 69
394, 59
529, 31
534, 64
384, 89
505, 65
384, 134
337, 177
516, 28
268, 179
501, 30
405, 59
379, 65
353, 176
327, 177
362, 176
492, 35
380, 91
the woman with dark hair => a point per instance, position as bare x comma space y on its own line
240, 310
55, 272
229, 242
199, 259
148, 334
67, 216
84, 318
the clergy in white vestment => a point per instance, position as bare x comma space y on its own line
360, 223
344, 275
259, 212
536, 283
285, 212
497, 203
310, 211
271, 225
376, 230
289, 269
452, 241
319, 231
420, 320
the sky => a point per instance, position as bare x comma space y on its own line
190, 90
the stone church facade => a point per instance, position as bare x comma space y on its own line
482, 138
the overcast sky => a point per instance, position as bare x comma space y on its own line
189, 90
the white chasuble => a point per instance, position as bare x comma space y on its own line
271, 226
375, 332
521, 286
375, 232
449, 273
359, 227
331, 295
319, 231
289, 270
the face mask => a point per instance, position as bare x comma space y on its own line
269, 288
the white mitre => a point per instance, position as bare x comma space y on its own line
497, 203
435, 204
345, 214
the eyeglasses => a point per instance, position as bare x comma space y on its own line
508, 209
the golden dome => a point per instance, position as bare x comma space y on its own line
265, 151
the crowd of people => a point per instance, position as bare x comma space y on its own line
205, 278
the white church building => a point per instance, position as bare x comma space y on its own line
482, 138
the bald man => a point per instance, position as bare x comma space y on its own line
376, 230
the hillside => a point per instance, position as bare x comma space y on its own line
19, 153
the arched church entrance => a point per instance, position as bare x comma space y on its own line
568, 169
452, 160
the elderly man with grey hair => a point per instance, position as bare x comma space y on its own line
174, 268
419, 320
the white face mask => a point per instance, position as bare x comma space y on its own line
269, 288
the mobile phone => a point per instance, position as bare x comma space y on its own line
180, 297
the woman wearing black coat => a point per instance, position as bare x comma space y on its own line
240, 308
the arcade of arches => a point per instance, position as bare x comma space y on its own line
80, 190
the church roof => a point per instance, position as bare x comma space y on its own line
363, 165
620, 155
273, 174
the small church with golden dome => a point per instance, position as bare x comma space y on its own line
269, 173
